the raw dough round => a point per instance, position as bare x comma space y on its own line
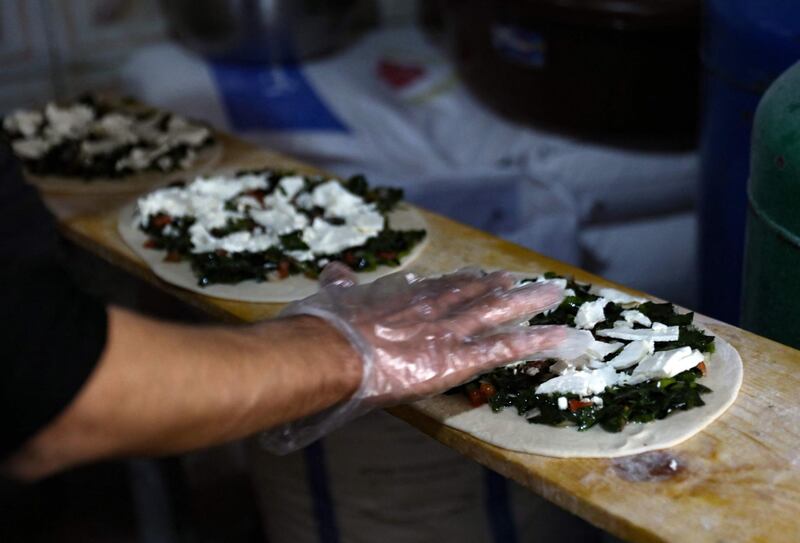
131, 184
510, 431
295, 287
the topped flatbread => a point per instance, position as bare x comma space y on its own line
103, 141
651, 379
264, 236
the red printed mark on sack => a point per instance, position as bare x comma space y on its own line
397, 74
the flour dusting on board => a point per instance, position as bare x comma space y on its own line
649, 466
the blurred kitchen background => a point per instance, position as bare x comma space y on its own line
613, 135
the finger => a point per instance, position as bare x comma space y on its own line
432, 299
497, 308
466, 360
337, 274
523, 343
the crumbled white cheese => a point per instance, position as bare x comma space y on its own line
361, 220
622, 330
580, 382
206, 197
279, 216
335, 199
139, 159
617, 296
633, 353
32, 148
102, 135
601, 349
302, 256
597, 400
225, 188
67, 122
324, 238
590, 313
237, 242
562, 403
24, 122
665, 364
633, 316
561, 366
560, 282
290, 185
181, 131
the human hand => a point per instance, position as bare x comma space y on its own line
420, 336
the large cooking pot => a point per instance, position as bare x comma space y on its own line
267, 30
626, 67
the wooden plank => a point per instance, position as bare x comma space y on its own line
739, 480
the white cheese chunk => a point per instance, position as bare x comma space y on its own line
139, 159
335, 199
290, 185
633, 353
580, 382
24, 122
590, 313
206, 199
225, 188
617, 296
665, 364
67, 122
204, 242
597, 400
99, 136
558, 281
280, 216
32, 148
181, 131
601, 349
562, 403
303, 256
622, 330
324, 238
562, 366
633, 316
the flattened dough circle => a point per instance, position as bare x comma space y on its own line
129, 184
292, 288
510, 431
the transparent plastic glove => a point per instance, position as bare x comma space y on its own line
420, 336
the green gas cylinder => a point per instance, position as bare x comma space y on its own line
771, 291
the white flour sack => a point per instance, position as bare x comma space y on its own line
378, 479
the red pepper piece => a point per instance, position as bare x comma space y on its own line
574, 405
475, 397
487, 390
161, 220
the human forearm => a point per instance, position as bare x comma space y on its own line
163, 388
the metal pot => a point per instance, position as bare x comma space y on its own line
273, 31
597, 68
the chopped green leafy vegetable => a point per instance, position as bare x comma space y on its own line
386, 248
515, 386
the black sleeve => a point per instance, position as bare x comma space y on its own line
53, 333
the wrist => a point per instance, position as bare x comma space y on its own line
327, 358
